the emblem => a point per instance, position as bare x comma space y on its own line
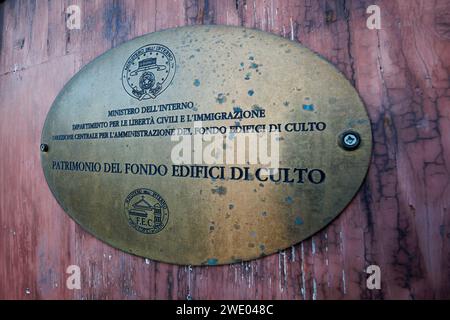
146, 210
148, 71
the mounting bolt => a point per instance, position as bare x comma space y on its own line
44, 147
350, 140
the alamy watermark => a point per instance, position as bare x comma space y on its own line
73, 17
374, 20
374, 279
233, 145
73, 281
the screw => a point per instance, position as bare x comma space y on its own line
44, 147
350, 140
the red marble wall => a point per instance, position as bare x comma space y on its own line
399, 220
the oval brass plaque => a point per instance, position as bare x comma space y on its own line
206, 145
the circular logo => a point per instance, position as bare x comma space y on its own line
146, 211
148, 71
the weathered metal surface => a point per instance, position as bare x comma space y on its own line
399, 220
287, 136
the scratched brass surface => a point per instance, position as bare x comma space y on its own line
204, 220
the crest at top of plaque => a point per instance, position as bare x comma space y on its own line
206, 145
148, 71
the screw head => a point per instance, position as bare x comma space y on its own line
350, 140
44, 147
